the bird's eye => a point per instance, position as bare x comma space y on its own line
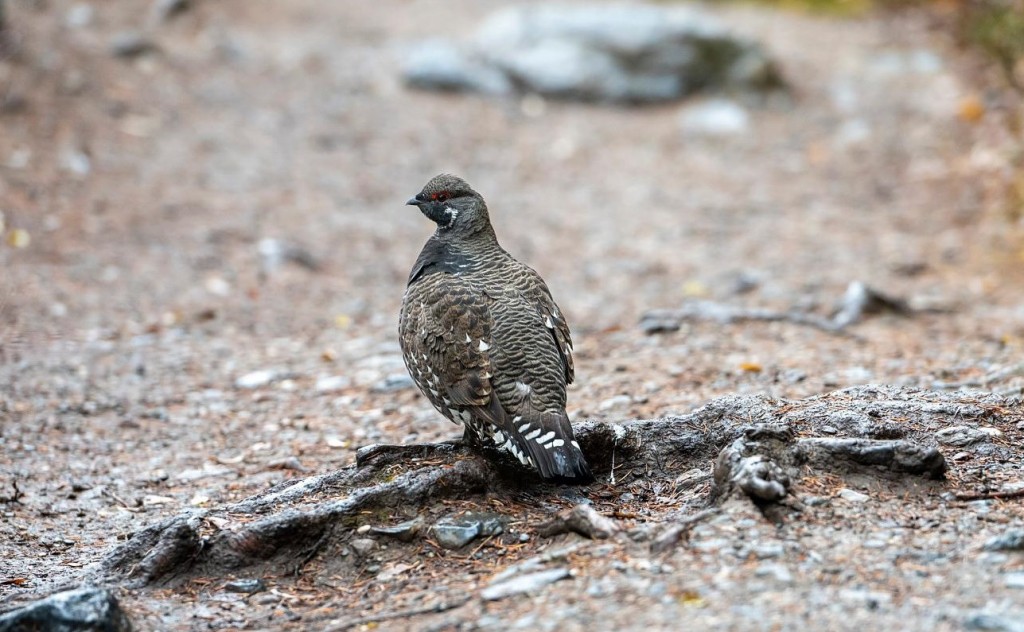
442, 196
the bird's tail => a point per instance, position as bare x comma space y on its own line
548, 441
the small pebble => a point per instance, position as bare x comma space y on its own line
130, 45
247, 586
853, 496
256, 379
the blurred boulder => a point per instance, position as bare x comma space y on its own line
613, 53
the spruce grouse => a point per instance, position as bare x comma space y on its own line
484, 340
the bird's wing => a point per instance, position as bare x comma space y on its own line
540, 297
445, 329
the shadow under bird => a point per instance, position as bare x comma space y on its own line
483, 339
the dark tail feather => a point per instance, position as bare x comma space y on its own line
549, 441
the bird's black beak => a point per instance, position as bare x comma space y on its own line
412, 202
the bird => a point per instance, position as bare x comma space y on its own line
485, 342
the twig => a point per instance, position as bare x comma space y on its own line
1014, 493
1015, 370
16, 496
444, 606
122, 501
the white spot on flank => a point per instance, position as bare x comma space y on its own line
523, 428
548, 323
533, 435
523, 388
517, 419
557, 443
498, 436
574, 444
548, 436
484, 346
468, 339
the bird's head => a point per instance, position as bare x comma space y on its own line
453, 205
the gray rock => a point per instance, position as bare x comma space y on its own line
441, 65
613, 53
131, 44
659, 322
993, 622
528, 583
81, 610
455, 535
1012, 540
256, 379
363, 547
962, 436
581, 519
779, 572
164, 10
392, 383
1014, 580
79, 15
853, 496
331, 383
715, 117
246, 586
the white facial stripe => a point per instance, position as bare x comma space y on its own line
452, 214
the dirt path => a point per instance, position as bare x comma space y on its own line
149, 186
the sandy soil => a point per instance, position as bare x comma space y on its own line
147, 185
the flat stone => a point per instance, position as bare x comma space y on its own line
256, 379
1011, 540
71, 611
131, 44
715, 117
962, 436
853, 496
454, 536
528, 583
246, 586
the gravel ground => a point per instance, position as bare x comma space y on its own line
153, 357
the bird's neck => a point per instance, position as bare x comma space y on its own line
465, 254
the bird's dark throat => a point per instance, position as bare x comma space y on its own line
441, 214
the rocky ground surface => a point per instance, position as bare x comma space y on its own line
205, 249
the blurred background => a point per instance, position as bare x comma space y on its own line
204, 243
226, 179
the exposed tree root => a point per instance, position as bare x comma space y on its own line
760, 446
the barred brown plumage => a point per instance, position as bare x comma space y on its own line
483, 339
